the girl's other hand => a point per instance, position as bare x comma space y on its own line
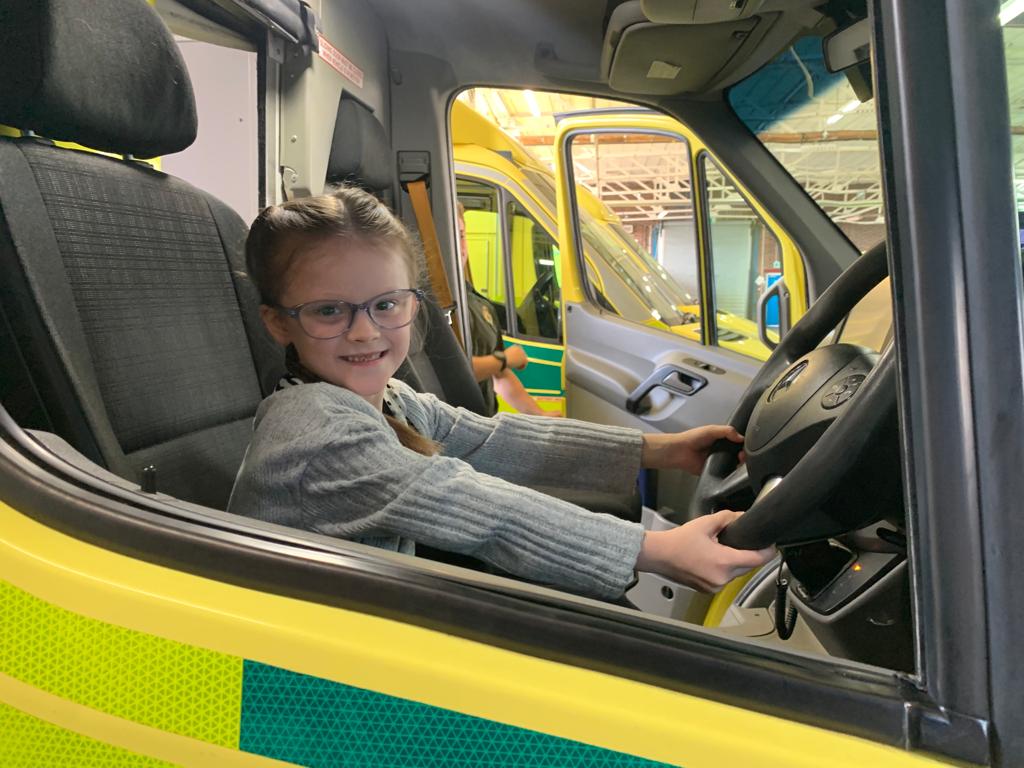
691, 554
686, 450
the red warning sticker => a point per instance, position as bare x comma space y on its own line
340, 62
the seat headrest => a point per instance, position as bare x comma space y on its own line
360, 153
103, 73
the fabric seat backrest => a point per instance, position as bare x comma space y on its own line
360, 155
129, 330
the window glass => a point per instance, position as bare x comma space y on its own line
746, 257
485, 268
1013, 46
535, 269
822, 128
647, 177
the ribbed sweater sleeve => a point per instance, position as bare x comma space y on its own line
532, 450
353, 479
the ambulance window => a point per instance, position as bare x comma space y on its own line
535, 275
746, 259
485, 268
633, 194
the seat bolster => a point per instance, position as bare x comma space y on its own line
49, 332
267, 355
453, 369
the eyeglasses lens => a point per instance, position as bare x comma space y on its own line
327, 319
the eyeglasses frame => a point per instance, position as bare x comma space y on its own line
293, 312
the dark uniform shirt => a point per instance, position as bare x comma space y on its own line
485, 337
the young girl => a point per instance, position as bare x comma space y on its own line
343, 449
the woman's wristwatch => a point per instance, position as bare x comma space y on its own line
500, 355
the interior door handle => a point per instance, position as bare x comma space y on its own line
676, 380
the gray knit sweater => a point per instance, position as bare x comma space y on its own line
323, 459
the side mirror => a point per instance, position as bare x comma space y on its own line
847, 46
777, 289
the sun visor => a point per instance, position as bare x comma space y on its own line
696, 11
644, 57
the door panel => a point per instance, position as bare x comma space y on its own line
627, 315
608, 358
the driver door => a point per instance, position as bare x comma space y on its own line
669, 341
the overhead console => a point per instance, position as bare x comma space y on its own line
667, 47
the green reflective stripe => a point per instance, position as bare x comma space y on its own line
316, 722
175, 687
544, 372
547, 377
28, 742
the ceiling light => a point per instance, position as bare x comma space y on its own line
833, 119
849, 106
531, 102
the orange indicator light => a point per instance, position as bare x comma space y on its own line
857, 567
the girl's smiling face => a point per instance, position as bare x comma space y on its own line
364, 357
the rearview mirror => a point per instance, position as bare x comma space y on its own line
848, 46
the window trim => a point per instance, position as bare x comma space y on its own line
939, 146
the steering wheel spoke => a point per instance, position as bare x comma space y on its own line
731, 489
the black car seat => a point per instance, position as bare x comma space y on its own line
124, 327
361, 156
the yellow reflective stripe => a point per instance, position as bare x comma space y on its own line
538, 361
175, 687
555, 392
125, 734
531, 343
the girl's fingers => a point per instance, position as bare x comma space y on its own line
746, 559
715, 523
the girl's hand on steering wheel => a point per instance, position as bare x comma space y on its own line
691, 554
686, 450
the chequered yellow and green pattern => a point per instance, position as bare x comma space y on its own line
235, 703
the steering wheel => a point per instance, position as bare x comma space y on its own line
812, 419
544, 296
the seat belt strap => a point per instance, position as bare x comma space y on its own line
432, 252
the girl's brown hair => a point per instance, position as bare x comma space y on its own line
280, 234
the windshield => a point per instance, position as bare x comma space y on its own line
607, 244
1013, 45
822, 129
